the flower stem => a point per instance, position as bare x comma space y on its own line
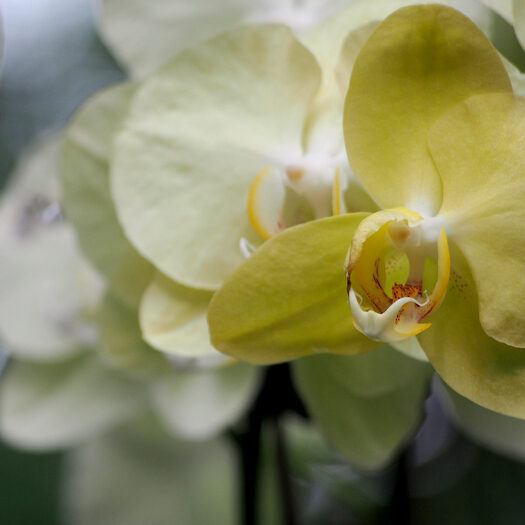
287, 499
275, 397
400, 503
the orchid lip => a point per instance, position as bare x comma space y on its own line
389, 267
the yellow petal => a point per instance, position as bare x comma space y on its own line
420, 61
288, 299
478, 149
489, 373
265, 202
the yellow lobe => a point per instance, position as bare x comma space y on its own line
338, 204
265, 202
440, 288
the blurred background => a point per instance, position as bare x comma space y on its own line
53, 59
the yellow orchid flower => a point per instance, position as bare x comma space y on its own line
236, 141
435, 134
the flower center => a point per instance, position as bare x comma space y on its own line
283, 197
317, 186
398, 268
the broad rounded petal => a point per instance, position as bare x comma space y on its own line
132, 477
50, 406
181, 192
145, 35
121, 344
173, 320
86, 192
501, 433
420, 61
489, 373
368, 405
478, 150
328, 39
198, 405
46, 284
289, 299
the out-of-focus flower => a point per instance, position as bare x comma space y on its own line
54, 391
67, 379
438, 132
139, 474
145, 35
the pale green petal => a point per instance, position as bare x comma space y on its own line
127, 478
478, 150
336, 55
489, 373
327, 38
518, 12
419, 62
500, 433
368, 405
199, 132
517, 78
50, 406
46, 285
502, 7
173, 320
198, 405
145, 35
121, 344
336, 43
289, 299
86, 193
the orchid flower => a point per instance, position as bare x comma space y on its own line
433, 131
230, 144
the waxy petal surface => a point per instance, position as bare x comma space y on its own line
489, 373
478, 150
365, 409
419, 62
87, 199
289, 299
173, 320
198, 134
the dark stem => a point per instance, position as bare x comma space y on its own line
400, 503
287, 499
276, 396
249, 447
